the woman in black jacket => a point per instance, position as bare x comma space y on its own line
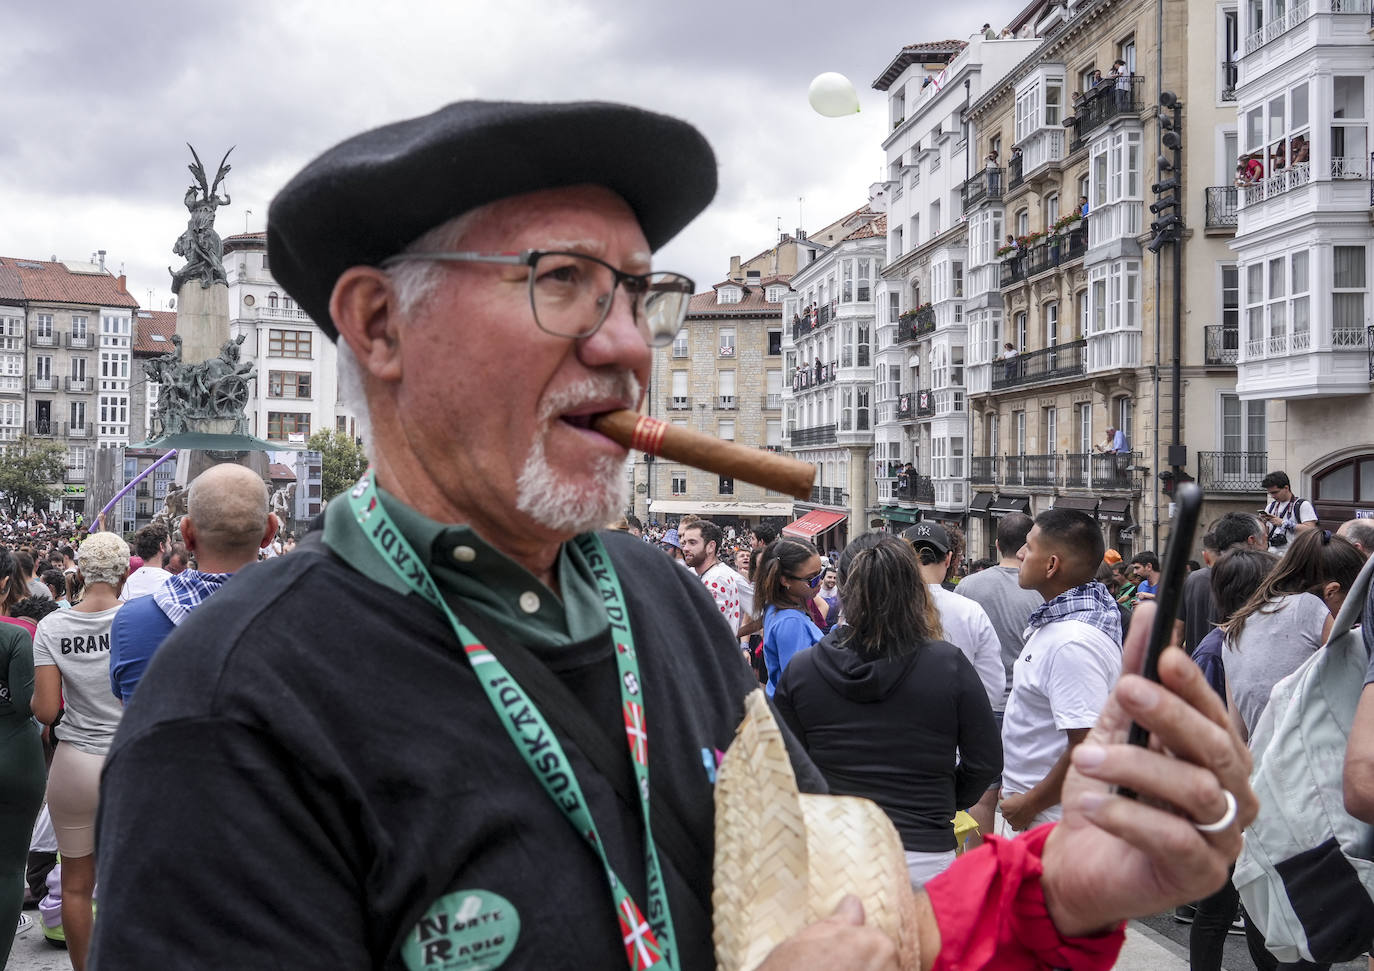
882, 705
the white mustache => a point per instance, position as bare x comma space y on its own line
619, 386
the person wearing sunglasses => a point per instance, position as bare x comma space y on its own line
784, 585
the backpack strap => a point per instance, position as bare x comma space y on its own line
1353, 607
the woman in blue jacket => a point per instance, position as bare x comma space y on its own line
785, 580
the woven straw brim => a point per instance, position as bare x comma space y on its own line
784, 860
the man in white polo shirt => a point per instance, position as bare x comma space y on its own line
1062, 678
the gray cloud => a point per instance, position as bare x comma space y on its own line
93, 143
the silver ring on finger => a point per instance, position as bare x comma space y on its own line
1226, 819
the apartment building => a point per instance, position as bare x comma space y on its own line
65, 360
920, 381
722, 376
295, 393
828, 344
1305, 348
1071, 320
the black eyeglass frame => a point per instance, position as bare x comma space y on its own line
640, 284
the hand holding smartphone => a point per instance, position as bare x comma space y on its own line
1188, 506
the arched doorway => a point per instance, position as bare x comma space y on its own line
1344, 490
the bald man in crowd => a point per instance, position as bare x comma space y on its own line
226, 524
1071, 659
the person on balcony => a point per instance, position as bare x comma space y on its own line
1277, 160
1299, 149
1121, 82
1009, 355
818, 371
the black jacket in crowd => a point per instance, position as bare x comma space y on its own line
888, 730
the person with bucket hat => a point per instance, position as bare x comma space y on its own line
459, 720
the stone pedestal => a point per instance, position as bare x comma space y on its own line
193, 462
202, 320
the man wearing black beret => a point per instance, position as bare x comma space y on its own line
457, 728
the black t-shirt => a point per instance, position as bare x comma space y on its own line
1196, 608
310, 765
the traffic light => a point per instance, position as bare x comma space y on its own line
1168, 202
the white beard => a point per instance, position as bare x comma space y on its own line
562, 506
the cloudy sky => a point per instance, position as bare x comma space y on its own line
102, 99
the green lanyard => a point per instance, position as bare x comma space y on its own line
646, 946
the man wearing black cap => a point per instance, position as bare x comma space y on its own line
423, 740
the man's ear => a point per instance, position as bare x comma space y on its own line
188, 534
364, 308
270, 533
1053, 565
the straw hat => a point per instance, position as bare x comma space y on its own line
784, 860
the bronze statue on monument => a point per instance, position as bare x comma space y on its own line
200, 245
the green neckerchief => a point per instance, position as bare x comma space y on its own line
489, 581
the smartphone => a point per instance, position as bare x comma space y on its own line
1187, 507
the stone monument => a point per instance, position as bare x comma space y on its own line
202, 383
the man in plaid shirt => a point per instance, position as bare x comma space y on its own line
1063, 675
225, 525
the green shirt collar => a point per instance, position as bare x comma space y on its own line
471, 572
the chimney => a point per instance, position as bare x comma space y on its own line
119, 281
734, 268
801, 233
102, 259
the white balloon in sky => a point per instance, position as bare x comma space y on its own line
833, 95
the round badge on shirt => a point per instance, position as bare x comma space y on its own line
467, 930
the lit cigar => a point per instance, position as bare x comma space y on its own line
768, 469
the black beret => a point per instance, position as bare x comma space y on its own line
371, 196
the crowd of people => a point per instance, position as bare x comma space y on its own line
83, 615
463, 723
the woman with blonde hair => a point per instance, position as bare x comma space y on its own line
883, 705
71, 657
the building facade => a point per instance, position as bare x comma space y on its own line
722, 376
1070, 311
295, 393
1305, 348
65, 354
828, 356
921, 377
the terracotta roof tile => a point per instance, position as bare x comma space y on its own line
753, 305
152, 324
44, 281
278, 471
11, 290
869, 230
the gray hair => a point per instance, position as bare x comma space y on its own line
1359, 531
415, 282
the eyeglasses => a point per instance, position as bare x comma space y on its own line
571, 293
810, 581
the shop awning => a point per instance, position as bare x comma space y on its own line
898, 515
944, 515
1006, 505
814, 523
717, 508
981, 502
1114, 510
1087, 504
